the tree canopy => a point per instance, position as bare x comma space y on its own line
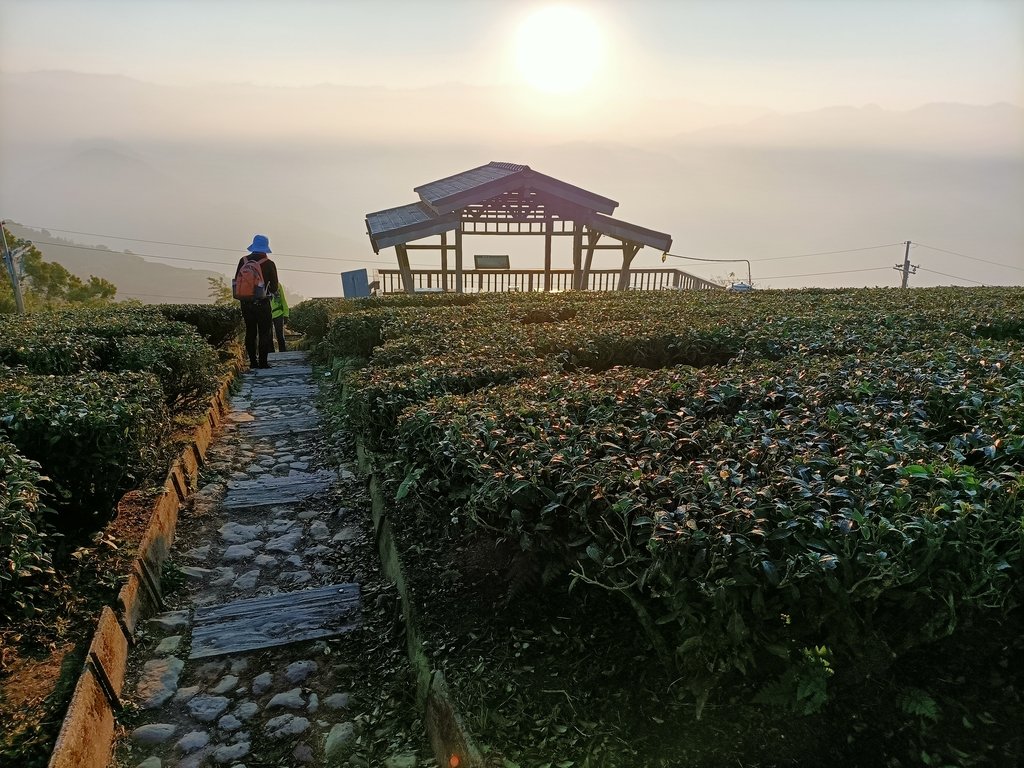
46, 284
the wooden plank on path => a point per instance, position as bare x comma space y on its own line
287, 391
281, 426
275, 371
269, 491
265, 622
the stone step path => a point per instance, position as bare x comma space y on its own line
266, 526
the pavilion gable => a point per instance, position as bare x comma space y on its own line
509, 198
488, 181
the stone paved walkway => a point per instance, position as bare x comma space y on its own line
268, 522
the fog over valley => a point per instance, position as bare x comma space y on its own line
93, 156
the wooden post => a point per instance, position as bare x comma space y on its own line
549, 226
406, 270
577, 256
458, 258
444, 262
592, 238
628, 252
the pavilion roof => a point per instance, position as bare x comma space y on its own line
440, 202
395, 226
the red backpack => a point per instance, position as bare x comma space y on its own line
248, 284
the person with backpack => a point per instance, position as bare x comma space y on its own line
254, 286
279, 311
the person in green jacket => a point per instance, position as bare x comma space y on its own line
279, 311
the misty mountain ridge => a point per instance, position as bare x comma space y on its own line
993, 129
338, 113
135, 277
145, 166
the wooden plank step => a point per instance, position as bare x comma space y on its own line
265, 622
275, 371
286, 391
279, 427
269, 491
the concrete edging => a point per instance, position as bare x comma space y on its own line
450, 739
86, 735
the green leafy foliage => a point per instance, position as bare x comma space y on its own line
918, 703
48, 285
803, 686
93, 434
185, 365
754, 475
314, 319
216, 323
24, 550
118, 339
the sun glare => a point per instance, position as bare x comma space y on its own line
558, 49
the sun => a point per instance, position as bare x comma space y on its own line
558, 49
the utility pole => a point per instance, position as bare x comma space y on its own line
906, 267
12, 271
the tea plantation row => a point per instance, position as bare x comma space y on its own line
88, 400
772, 481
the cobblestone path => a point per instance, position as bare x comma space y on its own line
267, 521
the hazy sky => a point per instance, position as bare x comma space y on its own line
741, 127
783, 54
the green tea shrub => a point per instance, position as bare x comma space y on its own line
312, 316
746, 512
24, 552
185, 365
217, 324
47, 352
94, 434
110, 322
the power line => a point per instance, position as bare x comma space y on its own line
955, 277
195, 261
827, 253
817, 274
165, 296
199, 247
179, 245
173, 258
720, 261
965, 256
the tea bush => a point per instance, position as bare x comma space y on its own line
185, 365
217, 324
24, 554
93, 434
749, 512
120, 338
777, 472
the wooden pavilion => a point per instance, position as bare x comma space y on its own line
511, 199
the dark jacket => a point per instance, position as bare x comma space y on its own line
268, 267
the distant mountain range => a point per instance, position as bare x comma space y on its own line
135, 277
211, 166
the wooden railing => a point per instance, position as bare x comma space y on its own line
502, 281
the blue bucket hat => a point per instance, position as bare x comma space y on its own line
260, 244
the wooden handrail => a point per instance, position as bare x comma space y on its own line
529, 280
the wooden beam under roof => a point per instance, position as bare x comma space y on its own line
623, 230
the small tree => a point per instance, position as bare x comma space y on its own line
220, 291
46, 284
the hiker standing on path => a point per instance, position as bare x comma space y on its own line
254, 285
279, 311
